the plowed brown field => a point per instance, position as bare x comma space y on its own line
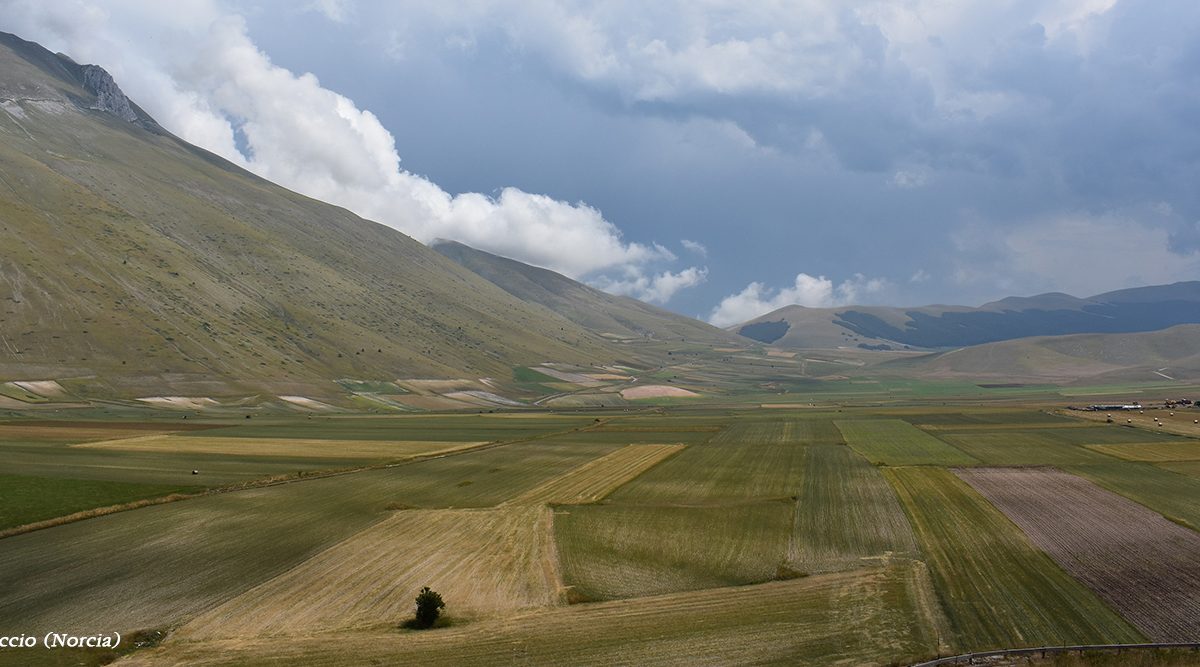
596, 479
483, 562
1141, 564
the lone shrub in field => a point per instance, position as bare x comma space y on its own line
429, 607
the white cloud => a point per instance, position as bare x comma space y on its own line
1079, 254
814, 292
203, 70
335, 10
657, 288
695, 246
909, 179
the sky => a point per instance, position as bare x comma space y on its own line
720, 158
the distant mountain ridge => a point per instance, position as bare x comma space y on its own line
1170, 354
1054, 314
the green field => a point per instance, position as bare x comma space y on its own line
1172, 494
619, 551
25, 500
997, 589
1021, 447
847, 515
747, 460
894, 442
465, 428
874, 550
988, 418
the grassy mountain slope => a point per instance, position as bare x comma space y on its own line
129, 255
590, 308
1124, 311
1157, 355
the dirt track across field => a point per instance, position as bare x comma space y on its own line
1141, 564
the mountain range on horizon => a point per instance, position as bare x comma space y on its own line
1134, 310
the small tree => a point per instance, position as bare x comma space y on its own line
429, 607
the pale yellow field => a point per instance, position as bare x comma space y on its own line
484, 563
425, 386
69, 433
365, 449
597, 478
656, 391
1182, 422
870, 617
607, 376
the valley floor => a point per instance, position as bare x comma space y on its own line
680, 535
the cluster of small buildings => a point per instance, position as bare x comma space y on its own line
1110, 407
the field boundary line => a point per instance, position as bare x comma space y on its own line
1044, 651
277, 481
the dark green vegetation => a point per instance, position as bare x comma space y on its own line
429, 608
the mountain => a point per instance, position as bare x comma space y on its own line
1170, 354
139, 264
600, 312
1124, 311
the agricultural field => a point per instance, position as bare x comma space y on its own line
895, 442
1173, 495
662, 535
1153, 452
26, 500
1144, 566
798, 622
494, 562
998, 589
847, 516
597, 478
1021, 447
292, 447
620, 551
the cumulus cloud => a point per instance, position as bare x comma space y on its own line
695, 247
657, 288
814, 292
202, 77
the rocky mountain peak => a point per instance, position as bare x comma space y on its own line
109, 98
